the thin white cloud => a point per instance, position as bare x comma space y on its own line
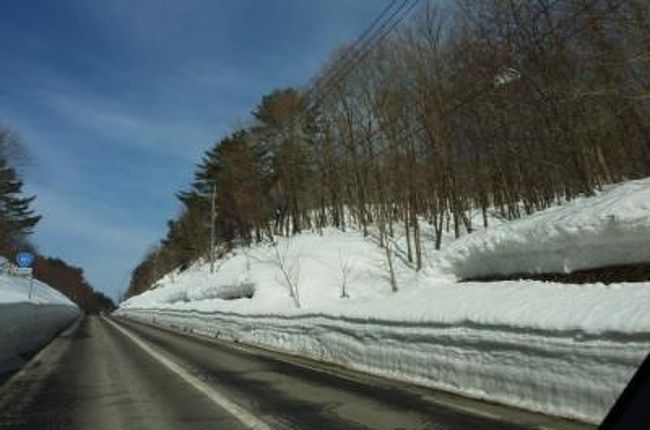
121, 125
113, 240
113, 228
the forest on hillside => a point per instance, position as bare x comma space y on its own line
499, 106
18, 221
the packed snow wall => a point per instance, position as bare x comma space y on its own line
568, 373
29, 321
609, 229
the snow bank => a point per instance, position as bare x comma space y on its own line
28, 324
608, 229
561, 349
560, 372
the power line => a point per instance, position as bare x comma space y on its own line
486, 87
360, 49
351, 50
396, 17
362, 54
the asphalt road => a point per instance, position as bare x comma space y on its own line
99, 375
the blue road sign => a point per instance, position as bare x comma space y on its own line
25, 259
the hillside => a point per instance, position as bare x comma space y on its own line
558, 348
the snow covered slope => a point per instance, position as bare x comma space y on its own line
557, 348
27, 324
16, 289
611, 228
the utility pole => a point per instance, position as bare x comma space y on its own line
213, 217
155, 266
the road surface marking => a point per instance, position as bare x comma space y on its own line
523, 418
241, 414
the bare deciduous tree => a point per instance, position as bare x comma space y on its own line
289, 267
346, 269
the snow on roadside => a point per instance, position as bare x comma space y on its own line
27, 324
552, 348
562, 349
611, 228
15, 289
563, 373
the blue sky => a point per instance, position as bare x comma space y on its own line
117, 99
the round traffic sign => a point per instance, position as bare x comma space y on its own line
24, 259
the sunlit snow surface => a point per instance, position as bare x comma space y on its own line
15, 289
611, 228
558, 348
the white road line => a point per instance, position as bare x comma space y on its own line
241, 414
349, 375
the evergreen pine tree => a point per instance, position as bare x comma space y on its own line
16, 217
